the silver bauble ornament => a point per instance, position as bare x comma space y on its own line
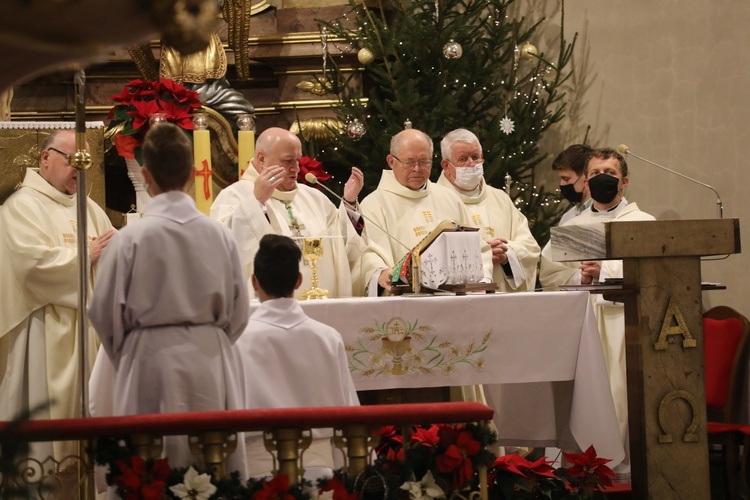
355, 130
452, 50
365, 56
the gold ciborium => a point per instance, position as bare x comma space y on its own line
312, 251
397, 349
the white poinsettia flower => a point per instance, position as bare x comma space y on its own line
425, 489
194, 487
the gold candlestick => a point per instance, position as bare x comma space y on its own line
312, 251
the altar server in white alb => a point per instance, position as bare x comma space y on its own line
39, 349
268, 200
606, 178
170, 300
515, 252
408, 206
287, 359
570, 166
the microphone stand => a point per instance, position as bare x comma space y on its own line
625, 150
309, 177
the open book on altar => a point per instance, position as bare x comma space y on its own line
449, 258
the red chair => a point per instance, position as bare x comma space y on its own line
725, 337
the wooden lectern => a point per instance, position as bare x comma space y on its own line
664, 337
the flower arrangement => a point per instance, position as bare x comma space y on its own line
438, 461
138, 101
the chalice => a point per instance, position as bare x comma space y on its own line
312, 251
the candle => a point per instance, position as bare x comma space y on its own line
245, 142
204, 190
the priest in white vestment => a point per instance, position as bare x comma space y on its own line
407, 206
570, 166
268, 200
39, 348
606, 178
287, 359
170, 300
515, 252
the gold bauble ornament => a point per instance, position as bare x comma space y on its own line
528, 51
365, 56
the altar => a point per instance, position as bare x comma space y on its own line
538, 355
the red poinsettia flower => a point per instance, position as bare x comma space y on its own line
426, 436
138, 481
139, 100
588, 469
178, 116
512, 463
457, 458
275, 489
395, 455
142, 110
338, 487
126, 145
180, 94
541, 467
313, 166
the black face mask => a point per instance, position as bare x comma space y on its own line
604, 187
569, 193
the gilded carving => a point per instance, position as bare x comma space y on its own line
690, 436
401, 347
667, 328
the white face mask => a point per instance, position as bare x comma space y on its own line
469, 177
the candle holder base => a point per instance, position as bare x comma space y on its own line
314, 294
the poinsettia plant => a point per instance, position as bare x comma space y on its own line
139, 101
432, 462
311, 166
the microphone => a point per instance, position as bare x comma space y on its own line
622, 148
310, 177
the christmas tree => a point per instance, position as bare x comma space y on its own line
442, 65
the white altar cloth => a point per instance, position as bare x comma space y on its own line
538, 354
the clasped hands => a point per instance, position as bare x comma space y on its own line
590, 270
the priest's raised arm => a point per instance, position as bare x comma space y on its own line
269, 200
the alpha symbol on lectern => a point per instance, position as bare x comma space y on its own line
674, 324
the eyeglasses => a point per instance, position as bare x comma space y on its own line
65, 155
468, 162
410, 164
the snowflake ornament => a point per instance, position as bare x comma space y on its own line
507, 126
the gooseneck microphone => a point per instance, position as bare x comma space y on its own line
622, 148
310, 177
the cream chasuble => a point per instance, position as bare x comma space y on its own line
304, 211
408, 216
493, 212
39, 360
610, 316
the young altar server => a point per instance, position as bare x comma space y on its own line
288, 359
170, 300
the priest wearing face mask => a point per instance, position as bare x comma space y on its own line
515, 252
606, 178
